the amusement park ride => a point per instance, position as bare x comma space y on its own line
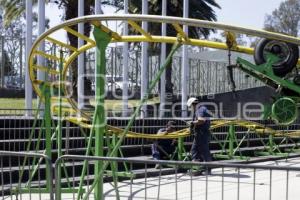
276, 58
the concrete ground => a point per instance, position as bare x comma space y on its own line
226, 184
232, 185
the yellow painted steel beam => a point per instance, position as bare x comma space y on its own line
230, 40
217, 123
65, 109
142, 38
256, 127
55, 99
114, 34
65, 70
180, 31
166, 39
114, 130
146, 37
292, 134
62, 44
173, 135
39, 82
51, 57
79, 35
193, 42
139, 29
46, 69
50, 84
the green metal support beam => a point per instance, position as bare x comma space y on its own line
180, 147
233, 145
265, 72
99, 174
59, 125
102, 40
231, 140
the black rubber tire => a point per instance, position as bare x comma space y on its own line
282, 68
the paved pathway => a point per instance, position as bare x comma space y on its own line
230, 185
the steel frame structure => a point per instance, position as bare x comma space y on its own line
102, 37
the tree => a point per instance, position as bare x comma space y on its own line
12, 35
284, 19
13, 9
10, 47
13, 31
71, 7
198, 9
8, 69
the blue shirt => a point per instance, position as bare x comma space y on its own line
164, 142
203, 113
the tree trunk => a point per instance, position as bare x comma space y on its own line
71, 12
71, 8
169, 84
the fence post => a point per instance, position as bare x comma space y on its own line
163, 58
28, 86
125, 67
185, 64
80, 62
144, 61
2, 61
21, 62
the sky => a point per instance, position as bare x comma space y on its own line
246, 13
249, 13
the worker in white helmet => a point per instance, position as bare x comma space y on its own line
200, 126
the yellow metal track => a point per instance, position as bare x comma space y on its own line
216, 123
71, 53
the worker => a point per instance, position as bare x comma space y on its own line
162, 148
200, 126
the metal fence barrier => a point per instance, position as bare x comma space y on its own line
174, 180
21, 179
15, 131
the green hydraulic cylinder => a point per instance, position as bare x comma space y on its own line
102, 40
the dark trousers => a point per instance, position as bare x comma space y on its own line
200, 147
162, 147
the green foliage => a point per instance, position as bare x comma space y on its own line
284, 19
198, 9
14, 11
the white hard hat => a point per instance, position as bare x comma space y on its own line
191, 101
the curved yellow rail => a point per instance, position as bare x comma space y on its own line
71, 52
216, 123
